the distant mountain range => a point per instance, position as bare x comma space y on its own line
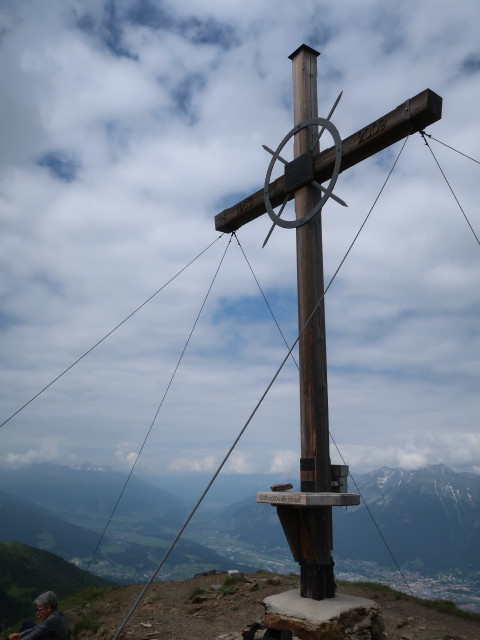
25, 522
64, 510
86, 495
429, 518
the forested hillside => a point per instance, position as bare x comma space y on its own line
26, 572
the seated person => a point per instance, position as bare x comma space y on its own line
53, 624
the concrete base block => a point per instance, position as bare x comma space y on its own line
340, 618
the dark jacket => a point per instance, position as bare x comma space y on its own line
55, 627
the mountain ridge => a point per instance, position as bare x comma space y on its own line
67, 491
35, 526
26, 571
429, 517
135, 541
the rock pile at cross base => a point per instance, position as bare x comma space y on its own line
211, 605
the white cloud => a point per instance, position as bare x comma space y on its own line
125, 455
284, 462
458, 450
160, 140
50, 450
189, 463
240, 462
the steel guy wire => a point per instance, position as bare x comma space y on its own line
252, 414
449, 147
450, 187
263, 295
202, 306
109, 333
390, 552
330, 434
402, 575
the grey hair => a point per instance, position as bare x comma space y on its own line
46, 599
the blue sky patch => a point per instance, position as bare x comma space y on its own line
199, 32
471, 64
254, 308
184, 93
109, 31
86, 23
386, 157
319, 35
118, 137
60, 165
153, 15
209, 32
50, 283
7, 321
149, 14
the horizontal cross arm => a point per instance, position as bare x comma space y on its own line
411, 116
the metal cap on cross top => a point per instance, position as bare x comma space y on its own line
306, 515
307, 49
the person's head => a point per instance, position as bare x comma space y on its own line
45, 604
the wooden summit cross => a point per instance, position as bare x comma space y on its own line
306, 516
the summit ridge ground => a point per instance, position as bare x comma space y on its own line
207, 606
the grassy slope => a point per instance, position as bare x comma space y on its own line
25, 572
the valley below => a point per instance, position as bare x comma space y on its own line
429, 518
461, 589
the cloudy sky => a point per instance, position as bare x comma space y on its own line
126, 125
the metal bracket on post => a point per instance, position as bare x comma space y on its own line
339, 478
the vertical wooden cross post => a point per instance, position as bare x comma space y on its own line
316, 575
306, 515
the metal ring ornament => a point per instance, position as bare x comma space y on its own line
291, 224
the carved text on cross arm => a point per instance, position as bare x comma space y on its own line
372, 130
244, 205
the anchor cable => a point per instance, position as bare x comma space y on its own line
390, 552
109, 333
157, 412
333, 439
252, 414
263, 295
450, 187
423, 133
